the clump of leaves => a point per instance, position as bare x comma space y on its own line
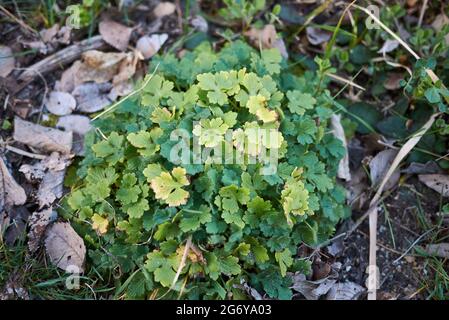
199, 229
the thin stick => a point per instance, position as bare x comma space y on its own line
346, 81
26, 153
19, 21
421, 14
127, 96
183, 261
413, 244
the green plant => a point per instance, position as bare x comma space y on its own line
243, 10
199, 229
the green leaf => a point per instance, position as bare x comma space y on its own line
285, 260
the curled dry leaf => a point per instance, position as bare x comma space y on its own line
7, 61
393, 81
11, 193
380, 164
60, 103
164, 8
437, 182
345, 291
115, 34
127, 69
312, 290
199, 23
343, 167
440, 250
65, 247
317, 36
49, 173
38, 223
68, 78
150, 45
43, 138
92, 97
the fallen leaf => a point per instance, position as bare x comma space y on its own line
60, 103
14, 224
98, 66
75, 123
92, 97
343, 166
126, 70
393, 81
380, 164
67, 82
440, 21
312, 290
79, 125
115, 34
267, 38
11, 193
437, 182
7, 61
38, 223
65, 247
200, 24
345, 291
49, 175
43, 138
164, 8
440, 250
429, 167
150, 45
317, 36
388, 46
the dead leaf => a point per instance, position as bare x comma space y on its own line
79, 125
345, 291
437, 182
440, 250
38, 223
312, 290
267, 38
7, 61
115, 34
49, 174
68, 78
317, 36
92, 97
429, 167
440, 21
164, 9
393, 81
388, 46
98, 66
11, 193
75, 123
379, 166
200, 24
127, 69
343, 166
43, 138
14, 224
150, 45
60, 103
65, 247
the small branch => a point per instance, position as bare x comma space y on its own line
26, 153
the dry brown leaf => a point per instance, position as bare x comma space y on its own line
265, 36
49, 174
126, 70
164, 9
65, 247
437, 182
312, 290
379, 166
150, 45
98, 66
92, 97
115, 34
343, 166
43, 138
38, 223
60, 103
440, 250
11, 193
393, 81
7, 61
68, 78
